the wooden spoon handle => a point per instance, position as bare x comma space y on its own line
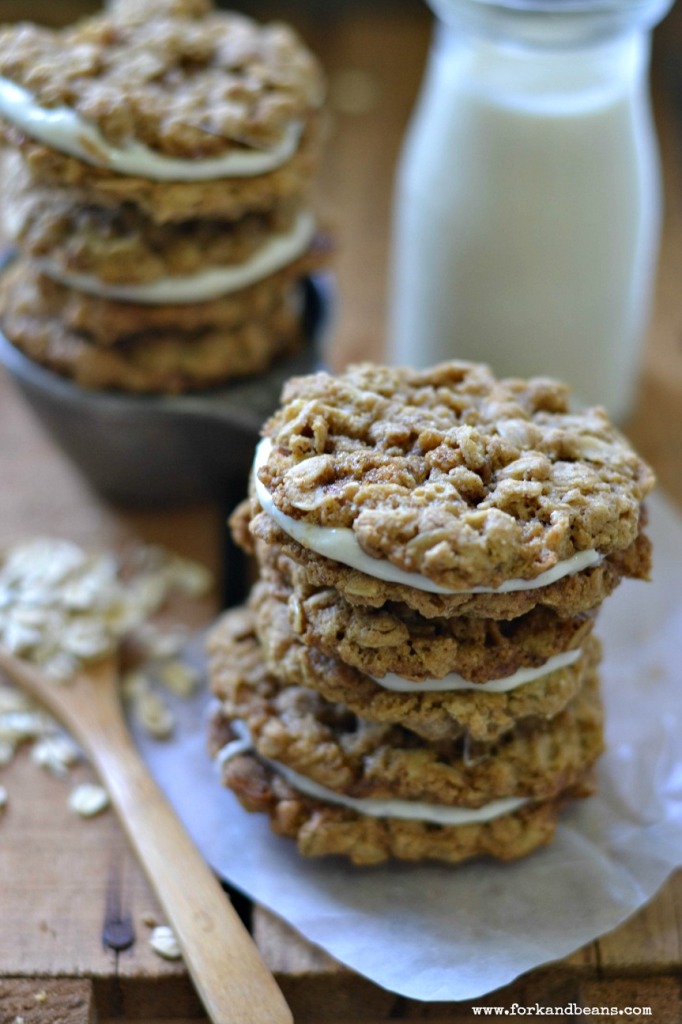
230, 977
228, 972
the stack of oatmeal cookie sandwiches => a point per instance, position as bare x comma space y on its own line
158, 164
415, 675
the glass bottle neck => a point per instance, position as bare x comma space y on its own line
541, 80
551, 24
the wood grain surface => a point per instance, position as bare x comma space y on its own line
60, 877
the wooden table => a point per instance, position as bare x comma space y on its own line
59, 877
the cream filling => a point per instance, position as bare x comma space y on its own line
278, 252
63, 129
341, 544
407, 810
453, 681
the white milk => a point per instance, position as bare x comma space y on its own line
527, 214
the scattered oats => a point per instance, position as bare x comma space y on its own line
147, 558
18, 639
87, 640
95, 589
180, 679
41, 563
190, 578
18, 1020
13, 700
17, 726
3, 798
80, 596
124, 618
159, 645
30, 617
164, 943
149, 919
62, 607
134, 684
60, 667
147, 595
153, 714
38, 597
7, 749
56, 754
88, 799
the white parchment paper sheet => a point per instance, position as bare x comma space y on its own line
441, 933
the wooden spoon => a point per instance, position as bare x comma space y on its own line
228, 973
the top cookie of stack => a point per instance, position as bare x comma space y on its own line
450, 491
158, 185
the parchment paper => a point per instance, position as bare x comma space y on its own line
443, 933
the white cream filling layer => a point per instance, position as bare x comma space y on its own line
341, 544
63, 129
407, 810
275, 254
453, 681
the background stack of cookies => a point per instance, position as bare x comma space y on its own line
415, 675
156, 181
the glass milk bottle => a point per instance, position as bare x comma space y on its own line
527, 206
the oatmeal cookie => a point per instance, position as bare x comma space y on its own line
169, 202
28, 298
256, 532
321, 829
160, 81
186, 83
327, 743
167, 361
433, 715
324, 742
451, 474
395, 639
120, 245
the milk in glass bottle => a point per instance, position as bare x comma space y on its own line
527, 206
